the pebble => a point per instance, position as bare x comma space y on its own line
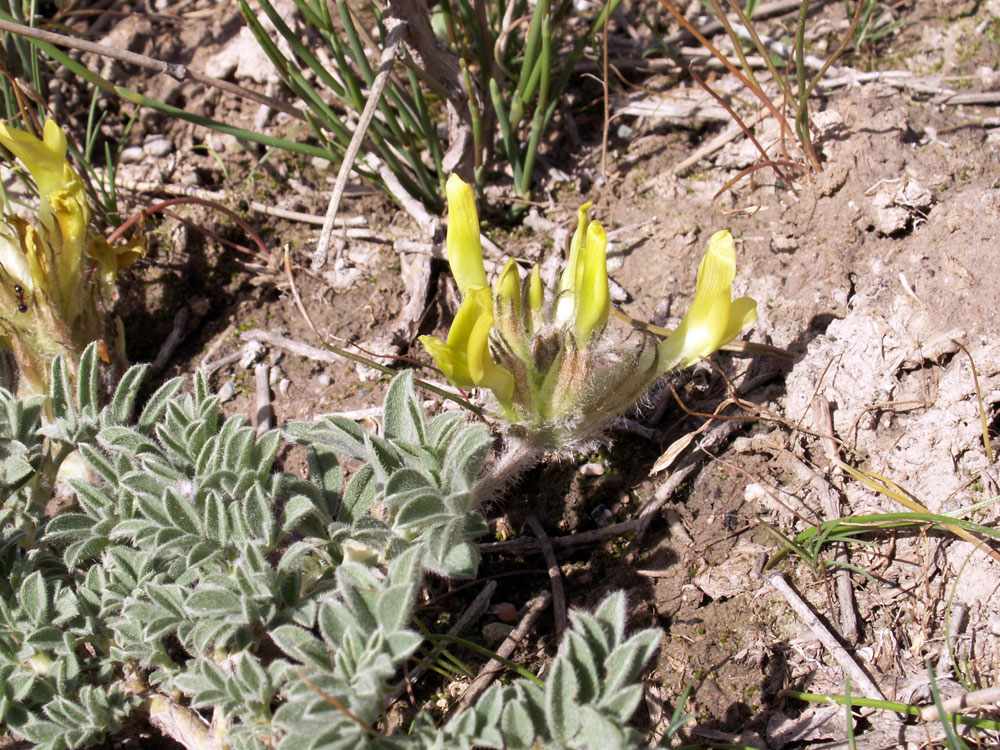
495, 632
283, 385
602, 516
324, 379
592, 469
227, 392
132, 154
158, 146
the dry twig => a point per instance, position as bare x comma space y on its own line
555, 574
859, 678
493, 667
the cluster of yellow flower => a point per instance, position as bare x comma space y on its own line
557, 371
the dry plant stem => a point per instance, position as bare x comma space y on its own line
173, 339
174, 70
265, 411
982, 697
219, 196
493, 667
180, 724
859, 679
472, 613
393, 42
555, 574
727, 135
513, 462
830, 497
431, 224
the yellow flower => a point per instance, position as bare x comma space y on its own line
714, 318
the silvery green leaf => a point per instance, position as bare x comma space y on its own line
359, 495
87, 380
157, 404
406, 481
626, 661
334, 621
258, 516
126, 439
212, 602
442, 430
95, 503
424, 510
122, 404
68, 527
45, 638
404, 419
344, 437
382, 456
181, 512
622, 704
612, 612
324, 470
253, 676
60, 390
85, 549
98, 463
301, 645
296, 509
35, 598
560, 700
581, 659
393, 608
597, 633
519, 732
264, 451
465, 457
601, 733
462, 561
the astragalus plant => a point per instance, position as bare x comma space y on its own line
558, 372
56, 276
195, 588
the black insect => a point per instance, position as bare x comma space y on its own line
19, 291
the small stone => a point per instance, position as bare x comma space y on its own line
132, 154
602, 516
784, 244
505, 611
227, 392
496, 632
158, 146
252, 352
324, 379
592, 469
283, 385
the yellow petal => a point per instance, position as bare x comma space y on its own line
713, 318
593, 297
45, 159
565, 300
536, 295
508, 285
484, 371
452, 363
465, 252
465, 319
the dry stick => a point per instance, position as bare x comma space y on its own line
220, 196
830, 497
982, 697
555, 574
393, 41
727, 135
479, 685
174, 70
172, 341
472, 613
859, 679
